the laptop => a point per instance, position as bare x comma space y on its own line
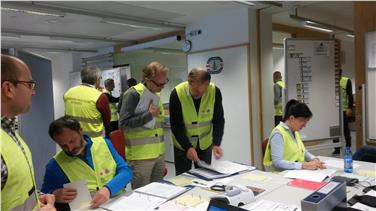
218, 205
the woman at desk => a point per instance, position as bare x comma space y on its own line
285, 149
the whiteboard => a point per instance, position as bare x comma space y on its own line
233, 83
370, 43
311, 78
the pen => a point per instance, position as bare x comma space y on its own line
199, 183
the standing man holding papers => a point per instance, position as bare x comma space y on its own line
197, 120
141, 117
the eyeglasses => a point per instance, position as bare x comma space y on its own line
160, 85
31, 84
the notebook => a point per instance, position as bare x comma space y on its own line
162, 190
307, 184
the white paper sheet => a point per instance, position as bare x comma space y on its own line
135, 201
225, 166
263, 205
83, 198
338, 164
146, 98
311, 175
161, 190
361, 206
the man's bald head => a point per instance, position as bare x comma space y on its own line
11, 68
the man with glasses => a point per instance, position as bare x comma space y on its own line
197, 120
18, 188
87, 104
145, 146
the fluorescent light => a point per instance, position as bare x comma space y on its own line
318, 28
150, 44
310, 22
350, 35
34, 11
122, 23
248, 3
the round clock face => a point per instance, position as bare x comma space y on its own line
187, 45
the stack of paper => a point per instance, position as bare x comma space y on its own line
161, 190
225, 166
146, 99
311, 175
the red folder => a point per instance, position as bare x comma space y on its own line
307, 184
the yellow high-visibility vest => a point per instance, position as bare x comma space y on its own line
19, 190
80, 103
292, 151
199, 127
76, 169
345, 98
278, 107
141, 142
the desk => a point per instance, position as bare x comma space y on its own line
275, 185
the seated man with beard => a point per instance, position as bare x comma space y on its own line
83, 158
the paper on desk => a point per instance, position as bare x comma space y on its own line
367, 173
371, 193
263, 205
171, 205
338, 164
189, 200
225, 166
256, 177
355, 176
135, 201
146, 98
311, 175
162, 190
83, 198
360, 206
181, 180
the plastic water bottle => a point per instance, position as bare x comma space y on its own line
348, 161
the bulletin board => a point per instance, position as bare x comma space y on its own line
370, 44
233, 82
311, 78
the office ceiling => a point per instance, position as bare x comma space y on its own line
87, 26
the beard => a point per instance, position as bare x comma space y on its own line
79, 150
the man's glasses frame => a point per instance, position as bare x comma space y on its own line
31, 84
160, 85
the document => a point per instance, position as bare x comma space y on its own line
311, 175
83, 198
161, 190
207, 174
306, 184
225, 166
135, 201
263, 205
146, 98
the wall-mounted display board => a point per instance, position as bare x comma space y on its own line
119, 74
370, 43
311, 78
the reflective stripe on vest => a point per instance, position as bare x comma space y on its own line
141, 142
278, 107
199, 127
19, 190
345, 98
76, 169
292, 151
80, 103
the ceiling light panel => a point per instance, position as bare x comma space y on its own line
31, 10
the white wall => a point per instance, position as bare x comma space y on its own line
227, 29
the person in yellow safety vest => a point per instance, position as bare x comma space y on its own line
197, 120
285, 149
109, 84
94, 160
347, 106
278, 88
18, 188
141, 118
87, 104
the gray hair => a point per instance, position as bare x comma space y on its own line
90, 75
108, 81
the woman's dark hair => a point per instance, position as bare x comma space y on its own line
296, 109
57, 126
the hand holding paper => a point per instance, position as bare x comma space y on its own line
65, 195
218, 152
102, 196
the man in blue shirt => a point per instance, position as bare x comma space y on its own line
83, 158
